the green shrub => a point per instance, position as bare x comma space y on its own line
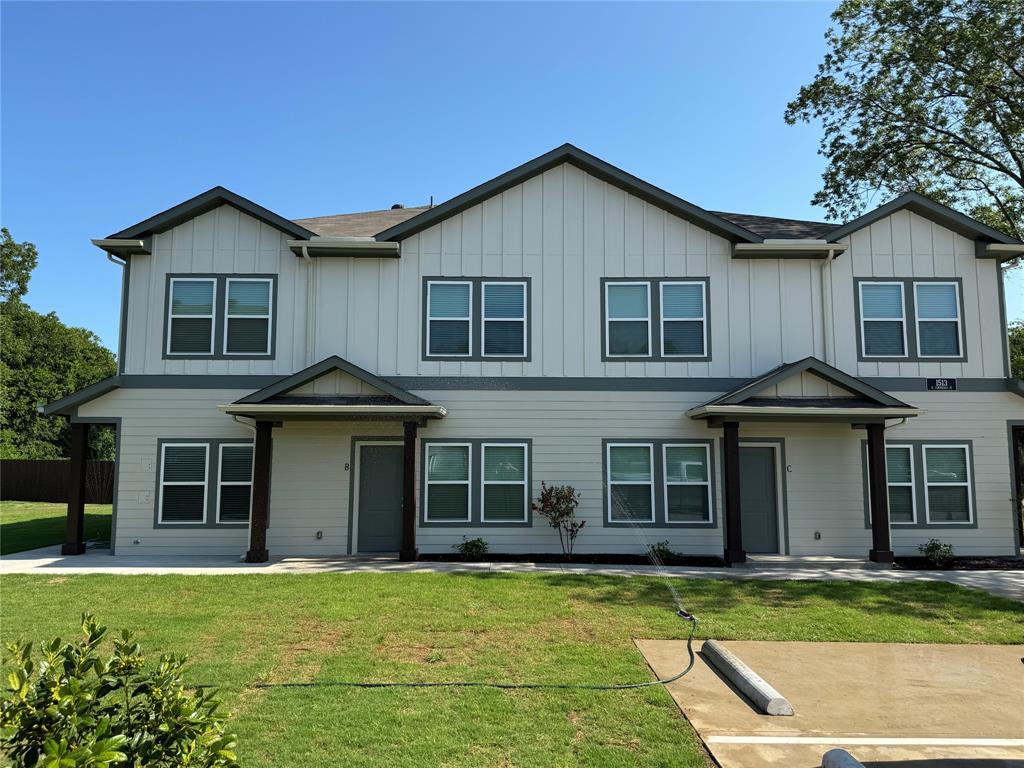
662, 553
471, 549
75, 708
938, 554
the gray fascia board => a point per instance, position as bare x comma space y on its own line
817, 367
66, 405
930, 209
207, 201
325, 366
567, 153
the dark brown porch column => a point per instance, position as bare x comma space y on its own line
408, 551
731, 472
260, 494
74, 534
881, 548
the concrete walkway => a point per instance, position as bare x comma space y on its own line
49, 561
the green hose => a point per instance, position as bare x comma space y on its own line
510, 686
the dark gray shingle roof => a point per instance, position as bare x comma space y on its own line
772, 227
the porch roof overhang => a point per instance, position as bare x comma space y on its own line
334, 411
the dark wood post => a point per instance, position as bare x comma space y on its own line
733, 516
408, 551
260, 494
881, 548
74, 534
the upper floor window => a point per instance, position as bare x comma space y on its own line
883, 320
476, 319
660, 319
190, 323
220, 316
887, 307
938, 319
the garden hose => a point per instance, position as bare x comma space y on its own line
684, 615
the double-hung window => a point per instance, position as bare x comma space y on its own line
687, 483
947, 484
183, 480
449, 318
899, 469
630, 483
504, 319
234, 487
683, 319
504, 494
883, 320
447, 482
937, 309
190, 316
628, 321
247, 316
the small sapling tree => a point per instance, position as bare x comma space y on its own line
557, 504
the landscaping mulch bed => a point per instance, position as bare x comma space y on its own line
596, 559
962, 564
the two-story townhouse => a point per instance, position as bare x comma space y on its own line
393, 381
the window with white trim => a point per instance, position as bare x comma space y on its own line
504, 319
899, 470
183, 482
883, 319
628, 319
937, 311
687, 483
247, 316
190, 316
947, 479
683, 319
449, 318
630, 470
447, 482
234, 484
505, 497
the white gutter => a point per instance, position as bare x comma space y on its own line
788, 410
1004, 250
125, 246
780, 247
243, 409
344, 246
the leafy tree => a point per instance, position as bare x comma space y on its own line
76, 709
924, 95
17, 260
42, 360
1016, 334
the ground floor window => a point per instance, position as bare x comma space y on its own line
899, 467
659, 482
947, 483
448, 478
234, 496
183, 479
476, 482
505, 495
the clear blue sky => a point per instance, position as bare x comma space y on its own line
112, 112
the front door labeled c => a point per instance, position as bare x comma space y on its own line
759, 495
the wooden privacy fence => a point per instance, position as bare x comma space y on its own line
47, 480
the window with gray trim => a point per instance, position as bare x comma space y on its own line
909, 319
183, 482
469, 482
930, 484
220, 316
476, 318
659, 483
234, 485
203, 482
664, 319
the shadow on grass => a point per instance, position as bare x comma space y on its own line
925, 600
46, 531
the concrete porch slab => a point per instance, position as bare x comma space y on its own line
881, 701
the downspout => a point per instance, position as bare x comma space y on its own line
826, 308
310, 306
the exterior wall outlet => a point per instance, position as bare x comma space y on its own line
136, 541
817, 535
319, 535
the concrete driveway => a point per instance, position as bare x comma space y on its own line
883, 702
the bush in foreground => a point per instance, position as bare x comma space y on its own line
75, 708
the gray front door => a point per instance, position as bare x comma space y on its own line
380, 498
758, 500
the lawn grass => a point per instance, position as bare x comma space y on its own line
475, 626
33, 524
